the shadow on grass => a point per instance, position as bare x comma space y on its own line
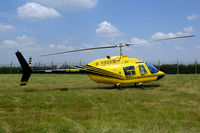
146, 87
37, 90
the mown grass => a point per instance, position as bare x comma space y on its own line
73, 103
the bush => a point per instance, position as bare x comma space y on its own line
183, 69
7, 70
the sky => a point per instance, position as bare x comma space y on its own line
36, 27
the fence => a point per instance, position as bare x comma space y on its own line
175, 68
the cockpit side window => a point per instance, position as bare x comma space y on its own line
152, 68
130, 70
142, 69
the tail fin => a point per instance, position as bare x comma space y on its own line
25, 68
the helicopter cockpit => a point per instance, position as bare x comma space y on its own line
152, 68
130, 70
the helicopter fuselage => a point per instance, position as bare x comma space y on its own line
122, 70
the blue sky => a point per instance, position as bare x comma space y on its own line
37, 27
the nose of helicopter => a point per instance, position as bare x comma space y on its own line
161, 75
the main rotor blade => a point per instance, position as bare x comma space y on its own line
170, 38
120, 45
104, 47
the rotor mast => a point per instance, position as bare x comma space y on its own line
121, 45
120, 51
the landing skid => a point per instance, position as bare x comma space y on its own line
118, 86
140, 85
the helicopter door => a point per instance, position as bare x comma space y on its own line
142, 69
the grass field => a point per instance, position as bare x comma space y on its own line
75, 104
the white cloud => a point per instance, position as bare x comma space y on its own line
34, 10
70, 5
6, 28
192, 17
188, 29
23, 37
9, 42
138, 41
106, 29
52, 45
63, 47
21, 42
26, 44
25, 40
160, 35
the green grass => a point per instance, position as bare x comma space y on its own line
75, 104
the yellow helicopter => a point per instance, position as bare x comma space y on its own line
118, 70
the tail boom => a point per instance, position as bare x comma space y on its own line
27, 71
